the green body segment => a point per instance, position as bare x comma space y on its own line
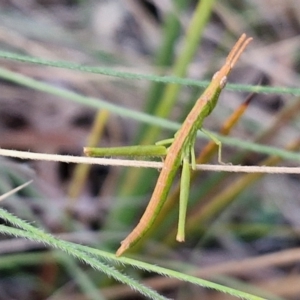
182, 148
185, 139
183, 198
163, 188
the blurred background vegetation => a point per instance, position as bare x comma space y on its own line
242, 228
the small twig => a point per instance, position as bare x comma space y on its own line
145, 164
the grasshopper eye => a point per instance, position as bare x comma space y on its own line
223, 82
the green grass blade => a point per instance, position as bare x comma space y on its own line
35, 234
88, 255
